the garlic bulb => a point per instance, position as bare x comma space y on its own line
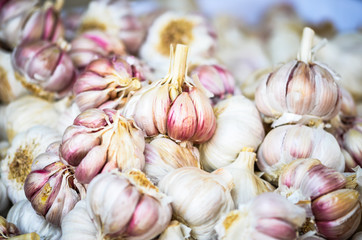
4, 200
164, 155
101, 140
174, 105
50, 79
92, 45
238, 125
335, 211
52, 190
286, 143
175, 28
114, 17
105, 83
66, 118
26, 21
25, 147
130, 207
299, 89
27, 220
10, 87
351, 142
175, 231
247, 185
199, 198
257, 220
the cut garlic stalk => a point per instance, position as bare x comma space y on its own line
199, 198
238, 125
175, 231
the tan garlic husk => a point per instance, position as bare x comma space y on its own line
172, 28
267, 216
11, 88
27, 220
175, 231
25, 147
301, 90
238, 125
8, 230
286, 143
247, 185
199, 198
4, 199
164, 155
130, 207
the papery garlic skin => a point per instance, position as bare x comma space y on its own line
27, 220
175, 231
10, 87
102, 140
286, 143
176, 28
268, 216
25, 147
164, 155
199, 198
66, 117
238, 125
131, 207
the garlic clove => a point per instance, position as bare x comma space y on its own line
175, 231
161, 107
92, 99
90, 119
276, 228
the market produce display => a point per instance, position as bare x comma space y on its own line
172, 125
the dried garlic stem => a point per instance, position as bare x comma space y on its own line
179, 65
305, 53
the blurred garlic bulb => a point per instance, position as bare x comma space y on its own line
336, 212
114, 17
299, 89
66, 118
4, 199
174, 105
10, 87
52, 190
216, 79
173, 28
351, 142
267, 216
27, 220
92, 45
50, 79
25, 147
164, 155
102, 140
106, 83
199, 198
247, 185
286, 143
251, 83
8, 230
130, 207
175, 231
238, 125
26, 21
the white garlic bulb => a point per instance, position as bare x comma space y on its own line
175, 231
176, 28
4, 200
247, 185
238, 125
27, 220
25, 147
67, 117
286, 143
199, 198
164, 155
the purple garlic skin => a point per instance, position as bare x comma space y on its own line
44, 68
27, 20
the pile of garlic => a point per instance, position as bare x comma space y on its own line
171, 125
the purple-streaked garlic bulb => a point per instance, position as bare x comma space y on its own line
114, 17
286, 143
52, 189
102, 140
238, 125
130, 207
216, 79
333, 211
164, 155
106, 83
199, 198
174, 105
92, 45
44, 68
29, 20
267, 216
299, 90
